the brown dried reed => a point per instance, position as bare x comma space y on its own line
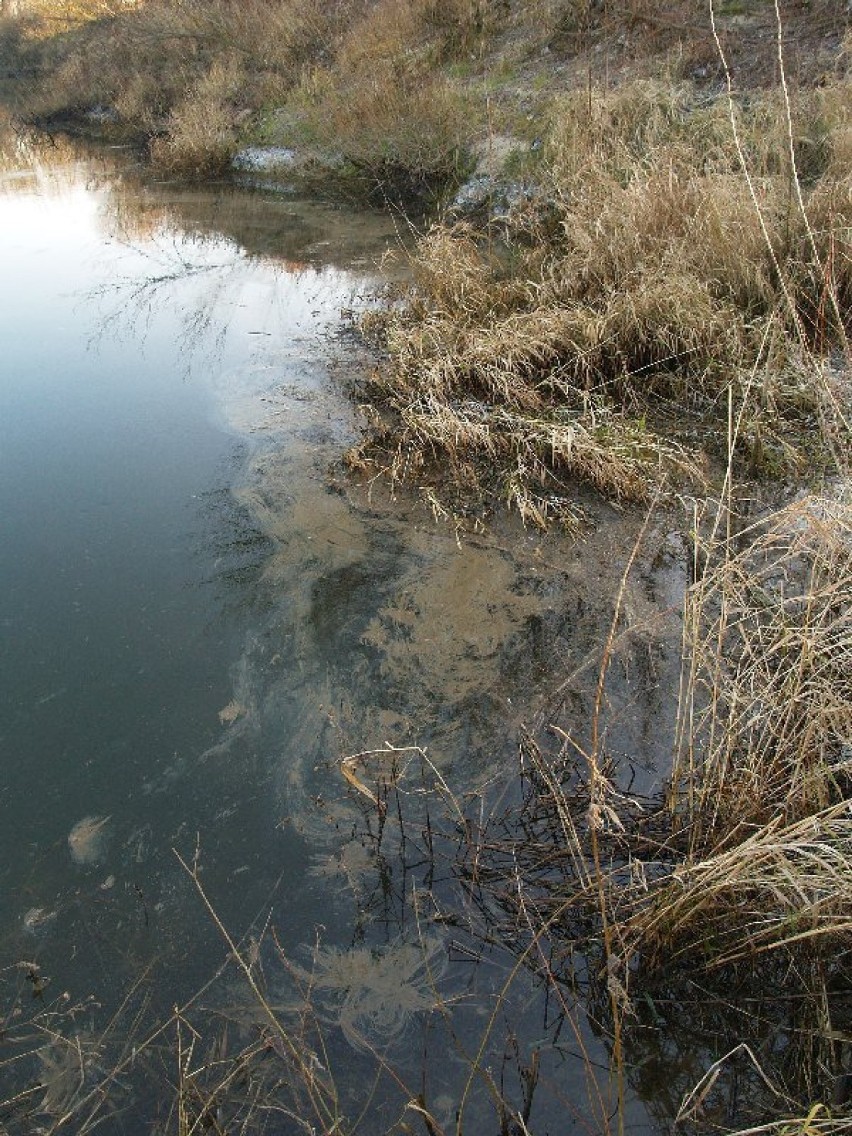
766, 717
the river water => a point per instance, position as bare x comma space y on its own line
202, 615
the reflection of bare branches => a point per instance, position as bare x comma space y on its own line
137, 300
206, 284
25, 155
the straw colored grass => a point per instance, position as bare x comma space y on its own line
754, 875
757, 825
200, 137
644, 278
157, 62
356, 84
779, 886
394, 137
766, 730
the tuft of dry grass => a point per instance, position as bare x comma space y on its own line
778, 886
200, 137
645, 277
396, 137
766, 728
755, 837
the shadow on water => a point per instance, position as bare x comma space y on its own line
282, 619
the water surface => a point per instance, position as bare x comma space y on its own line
202, 615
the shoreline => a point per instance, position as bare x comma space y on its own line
639, 280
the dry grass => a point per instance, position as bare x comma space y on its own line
766, 728
358, 82
754, 877
395, 137
645, 277
201, 136
398, 129
779, 885
760, 794
156, 64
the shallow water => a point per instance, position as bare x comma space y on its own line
201, 616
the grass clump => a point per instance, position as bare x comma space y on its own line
759, 797
394, 139
643, 278
200, 137
380, 111
751, 886
766, 731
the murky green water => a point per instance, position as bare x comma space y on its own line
201, 616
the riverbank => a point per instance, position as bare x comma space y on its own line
644, 228
390, 100
641, 286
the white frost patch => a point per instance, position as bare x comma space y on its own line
261, 159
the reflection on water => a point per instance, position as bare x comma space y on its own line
201, 618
